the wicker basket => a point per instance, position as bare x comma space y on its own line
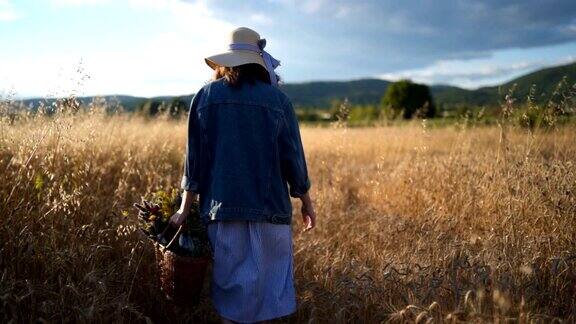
181, 277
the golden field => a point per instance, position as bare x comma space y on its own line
416, 224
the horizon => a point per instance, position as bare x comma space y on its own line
298, 83
150, 48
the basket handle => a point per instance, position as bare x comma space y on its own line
178, 232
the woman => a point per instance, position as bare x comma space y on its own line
244, 158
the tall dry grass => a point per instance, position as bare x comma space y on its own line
414, 224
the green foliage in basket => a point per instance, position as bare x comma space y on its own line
154, 215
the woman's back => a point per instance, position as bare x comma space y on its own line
244, 158
248, 148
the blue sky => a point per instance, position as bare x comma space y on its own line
156, 47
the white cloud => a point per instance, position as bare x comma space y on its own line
306, 6
338, 9
153, 4
472, 73
170, 61
342, 11
49, 75
7, 11
570, 29
261, 19
312, 6
79, 2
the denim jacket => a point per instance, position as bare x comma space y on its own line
244, 154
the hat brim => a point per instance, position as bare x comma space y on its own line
234, 58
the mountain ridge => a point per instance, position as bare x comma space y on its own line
369, 91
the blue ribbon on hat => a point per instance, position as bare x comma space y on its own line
271, 62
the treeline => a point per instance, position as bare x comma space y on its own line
174, 108
405, 100
402, 100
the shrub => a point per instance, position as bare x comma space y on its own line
409, 100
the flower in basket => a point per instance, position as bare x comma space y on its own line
154, 215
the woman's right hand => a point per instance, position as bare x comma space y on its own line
308, 213
178, 218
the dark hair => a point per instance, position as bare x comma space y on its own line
246, 73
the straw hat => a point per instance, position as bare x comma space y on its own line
245, 47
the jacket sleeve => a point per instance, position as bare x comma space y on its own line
292, 159
190, 179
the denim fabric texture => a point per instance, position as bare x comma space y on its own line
244, 154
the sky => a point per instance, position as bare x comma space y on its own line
156, 47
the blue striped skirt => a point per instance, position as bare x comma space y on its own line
252, 278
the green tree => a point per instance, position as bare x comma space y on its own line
177, 107
408, 99
149, 108
364, 113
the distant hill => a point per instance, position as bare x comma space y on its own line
370, 91
321, 94
450, 96
129, 103
545, 81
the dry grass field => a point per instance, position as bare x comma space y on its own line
415, 224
